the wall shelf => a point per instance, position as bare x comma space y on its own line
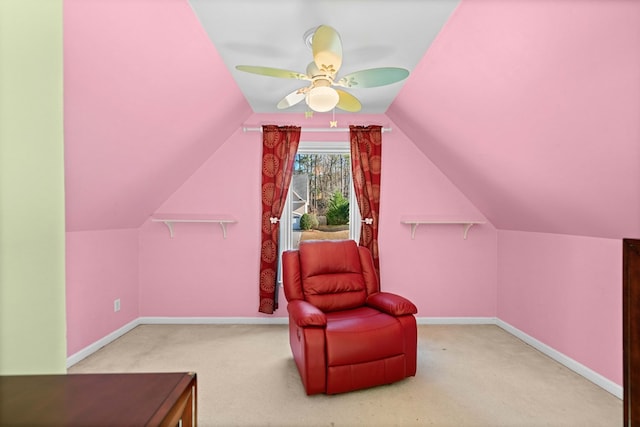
415, 222
170, 219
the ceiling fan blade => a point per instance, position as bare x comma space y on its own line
327, 49
373, 77
292, 99
313, 70
348, 102
273, 72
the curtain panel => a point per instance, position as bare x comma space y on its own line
366, 162
279, 148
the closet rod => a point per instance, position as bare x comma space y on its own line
250, 129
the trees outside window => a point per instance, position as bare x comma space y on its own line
338, 209
321, 204
327, 174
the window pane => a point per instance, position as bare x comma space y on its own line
320, 191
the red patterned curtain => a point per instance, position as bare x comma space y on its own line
366, 160
279, 148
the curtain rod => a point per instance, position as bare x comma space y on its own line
250, 129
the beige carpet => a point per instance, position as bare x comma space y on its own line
467, 376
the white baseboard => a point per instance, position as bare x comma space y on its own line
213, 320
561, 358
456, 320
92, 348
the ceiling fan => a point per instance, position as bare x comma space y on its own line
320, 94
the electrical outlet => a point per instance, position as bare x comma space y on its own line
116, 305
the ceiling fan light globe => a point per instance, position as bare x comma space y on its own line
322, 99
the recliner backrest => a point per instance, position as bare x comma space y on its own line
331, 274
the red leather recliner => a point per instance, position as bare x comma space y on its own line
344, 333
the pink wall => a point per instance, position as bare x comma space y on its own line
532, 109
101, 266
443, 273
565, 291
197, 273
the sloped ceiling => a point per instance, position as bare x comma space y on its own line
147, 100
532, 108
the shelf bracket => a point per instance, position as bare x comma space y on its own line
466, 230
414, 225
169, 225
224, 229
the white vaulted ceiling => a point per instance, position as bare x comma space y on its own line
271, 33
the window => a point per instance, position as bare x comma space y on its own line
321, 177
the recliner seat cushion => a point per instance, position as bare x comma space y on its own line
362, 335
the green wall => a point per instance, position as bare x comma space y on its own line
32, 222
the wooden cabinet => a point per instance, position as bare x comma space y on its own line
631, 331
153, 399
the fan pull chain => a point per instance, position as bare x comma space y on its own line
333, 123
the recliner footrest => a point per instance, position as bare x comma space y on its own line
345, 378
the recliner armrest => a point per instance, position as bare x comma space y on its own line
391, 304
306, 314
